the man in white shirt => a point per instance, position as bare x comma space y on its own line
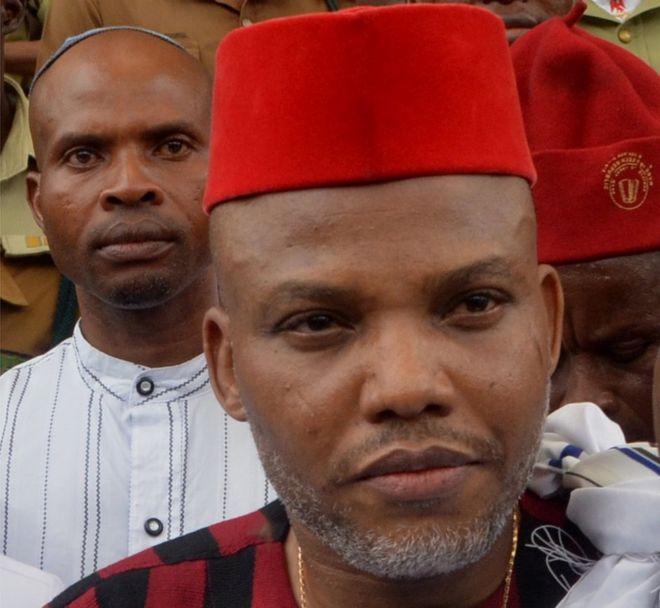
113, 441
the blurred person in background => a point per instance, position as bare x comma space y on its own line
38, 307
22, 44
198, 26
598, 204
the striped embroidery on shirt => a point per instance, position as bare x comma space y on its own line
41, 359
196, 389
185, 438
10, 450
178, 388
99, 426
85, 531
266, 489
5, 424
49, 443
170, 480
83, 368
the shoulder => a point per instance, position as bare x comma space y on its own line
551, 551
544, 519
182, 565
25, 585
42, 364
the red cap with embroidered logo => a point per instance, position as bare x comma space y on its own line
592, 114
362, 96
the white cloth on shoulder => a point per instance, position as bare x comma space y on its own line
615, 501
23, 586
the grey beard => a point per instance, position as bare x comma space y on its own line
413, 553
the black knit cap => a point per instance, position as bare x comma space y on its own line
73, 40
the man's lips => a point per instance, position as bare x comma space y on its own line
131, 242
407, 475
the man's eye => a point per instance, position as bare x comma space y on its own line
81, 157
476, 309
477, 303
313, 323
627, 352
174, 148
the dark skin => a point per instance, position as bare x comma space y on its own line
122, 146
13, 13
611, 337
363, 326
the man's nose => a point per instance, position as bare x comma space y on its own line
583, 379
131, 183
404, 376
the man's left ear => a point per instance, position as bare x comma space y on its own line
33, 181
220, 361
553, 298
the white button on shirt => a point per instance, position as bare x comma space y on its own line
101, 458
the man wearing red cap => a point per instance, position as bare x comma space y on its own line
384, 326
592, 113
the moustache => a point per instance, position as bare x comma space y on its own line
419, 432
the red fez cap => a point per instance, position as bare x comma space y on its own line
592, 114
361, 96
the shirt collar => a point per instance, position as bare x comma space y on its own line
120, 378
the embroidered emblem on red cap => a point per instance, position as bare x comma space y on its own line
628, 180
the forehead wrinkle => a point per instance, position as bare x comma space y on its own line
495, 267
289, 219
309, 220
629, 280
611, 298
307, 291
310, 290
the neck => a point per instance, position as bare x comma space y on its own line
329, 582
167, 334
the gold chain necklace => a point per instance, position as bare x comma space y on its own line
507, 579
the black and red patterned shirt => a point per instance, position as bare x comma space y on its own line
241, 564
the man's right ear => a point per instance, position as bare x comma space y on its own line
33, 181
220, 362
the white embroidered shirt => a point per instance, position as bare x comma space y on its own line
101, 458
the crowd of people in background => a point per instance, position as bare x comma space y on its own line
293, 314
